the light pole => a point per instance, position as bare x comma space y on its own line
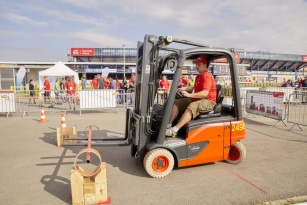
124, 61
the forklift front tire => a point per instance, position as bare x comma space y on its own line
158, 162
237, 153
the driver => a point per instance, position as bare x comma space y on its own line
198, 99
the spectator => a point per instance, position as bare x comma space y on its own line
95, 83
100, 82
57, 90
164, 85
132, 79
47, 92
32, 92
180, 82
62, 83
106, 83
286, 84
83, 83
284, 81
291, 83
185, 82
304, 83
120, 92
124, 87
191, 80
71, 86
117, 84
112, 85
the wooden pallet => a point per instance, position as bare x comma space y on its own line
61, 134
89, 190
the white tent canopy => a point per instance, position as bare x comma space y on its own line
59, 70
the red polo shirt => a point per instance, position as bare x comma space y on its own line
94, 83
47, 88
205, 82
132, 80
106, 85
180, 81
165, 85
71, 87
117, 85
186, 82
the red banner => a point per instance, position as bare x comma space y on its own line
82, 52
305, 58
278, 94
224, 60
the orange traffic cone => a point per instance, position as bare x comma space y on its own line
63, 123
43, 118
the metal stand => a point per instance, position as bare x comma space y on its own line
24, 112
297, 125
282, 122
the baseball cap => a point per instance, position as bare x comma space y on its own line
95, 76
45, 76
70, 76
110, 79
200, 60
183, 77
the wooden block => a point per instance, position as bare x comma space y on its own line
88, 190
101, 184
59, 136
72, 133
76, 180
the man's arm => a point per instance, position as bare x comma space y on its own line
201, 94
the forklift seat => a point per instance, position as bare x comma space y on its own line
216, 111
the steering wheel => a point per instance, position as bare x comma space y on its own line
178, 95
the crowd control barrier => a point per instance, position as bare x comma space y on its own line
7, 102
297, 110
61, 102
95, 99
266, 103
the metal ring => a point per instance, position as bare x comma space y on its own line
82, 172
92, 126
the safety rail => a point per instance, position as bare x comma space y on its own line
7, 102
297, 111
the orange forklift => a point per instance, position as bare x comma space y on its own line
215, 135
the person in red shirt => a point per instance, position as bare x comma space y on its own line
164, 85
185, 82
95, 83
180, 82
117, 86
132, 79
47, 92
198, 99
70, 87
106, 83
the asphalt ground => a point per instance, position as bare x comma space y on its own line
34, 171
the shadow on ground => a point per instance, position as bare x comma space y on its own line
115, 156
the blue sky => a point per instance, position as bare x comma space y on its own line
38, 30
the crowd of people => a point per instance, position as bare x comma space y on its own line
184, 83
299, 83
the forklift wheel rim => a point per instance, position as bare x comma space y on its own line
236, 156
162, 168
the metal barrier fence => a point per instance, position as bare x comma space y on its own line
60, 101
7, 102
297, 111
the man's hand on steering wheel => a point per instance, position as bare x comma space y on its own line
185, 93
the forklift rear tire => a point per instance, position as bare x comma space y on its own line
158, 162
237, 153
